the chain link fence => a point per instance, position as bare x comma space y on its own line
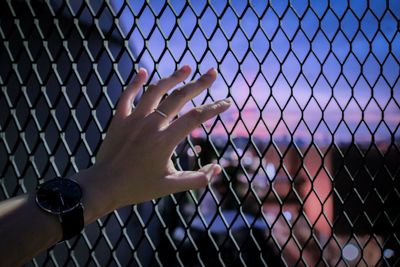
310, 149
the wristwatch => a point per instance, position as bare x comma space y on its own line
63, 197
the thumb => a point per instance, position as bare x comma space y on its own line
186, 180
210, 171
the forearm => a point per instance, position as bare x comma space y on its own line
26, 230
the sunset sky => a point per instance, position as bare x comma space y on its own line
343, 71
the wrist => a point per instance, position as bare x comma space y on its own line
98, 197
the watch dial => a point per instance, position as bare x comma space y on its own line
59, 195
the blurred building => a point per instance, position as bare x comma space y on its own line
320, 205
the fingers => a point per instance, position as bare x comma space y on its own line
124, 107
186, 180
181, 127
174, 102
151, 98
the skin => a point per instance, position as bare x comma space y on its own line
127, 171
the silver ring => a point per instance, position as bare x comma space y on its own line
160, 113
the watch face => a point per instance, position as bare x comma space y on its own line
59, 195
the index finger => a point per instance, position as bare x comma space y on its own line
124, 106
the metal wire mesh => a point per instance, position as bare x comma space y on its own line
310, 148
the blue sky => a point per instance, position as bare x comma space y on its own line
299, 64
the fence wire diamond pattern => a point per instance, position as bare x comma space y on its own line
310, 149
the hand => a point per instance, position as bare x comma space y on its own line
134, 162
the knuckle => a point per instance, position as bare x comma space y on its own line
197, 115
151, 89
167, 82
180, 94
162, 82
176, 75
204, 81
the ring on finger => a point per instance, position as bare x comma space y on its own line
159, 112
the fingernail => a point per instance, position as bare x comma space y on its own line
217, 169
211, 170
141, 73
226, 101
208, 170
185, 68
211, 71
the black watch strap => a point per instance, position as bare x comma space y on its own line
72, 222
